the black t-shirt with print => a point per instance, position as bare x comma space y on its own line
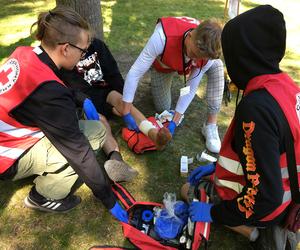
96, 76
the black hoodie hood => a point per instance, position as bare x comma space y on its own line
253, 44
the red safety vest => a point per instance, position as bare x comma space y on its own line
21, 74
229, 178
172, 58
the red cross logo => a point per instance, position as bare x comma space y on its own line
9, 74
4, 76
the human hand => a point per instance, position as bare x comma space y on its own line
172, 127
130, 122
90, 110
200, 211
199, 172
119, 213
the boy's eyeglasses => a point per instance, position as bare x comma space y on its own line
83, 51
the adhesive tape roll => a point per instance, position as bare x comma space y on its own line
147, 215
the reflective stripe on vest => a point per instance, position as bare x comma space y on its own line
230, 165
19, 132
285, 173
236, 168
12, 153
285, 92
16, 86
11, 147
237, 187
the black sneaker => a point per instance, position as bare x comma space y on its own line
36, 201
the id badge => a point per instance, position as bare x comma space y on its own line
184, 91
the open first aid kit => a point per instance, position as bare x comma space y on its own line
156, 226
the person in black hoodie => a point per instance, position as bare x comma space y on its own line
251, 177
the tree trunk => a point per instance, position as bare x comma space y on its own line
90, 10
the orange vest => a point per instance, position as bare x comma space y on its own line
21, 74
172, 58
229, 178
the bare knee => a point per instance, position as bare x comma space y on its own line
103, 119
184, 191
114, 98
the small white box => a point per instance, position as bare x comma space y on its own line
184, 167
205, 157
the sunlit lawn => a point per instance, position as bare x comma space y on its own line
127, 26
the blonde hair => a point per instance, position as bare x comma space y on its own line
208, 38
62, 24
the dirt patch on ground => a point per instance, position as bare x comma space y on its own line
142, 98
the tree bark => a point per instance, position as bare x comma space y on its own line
90, 10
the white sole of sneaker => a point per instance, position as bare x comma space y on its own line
31, 204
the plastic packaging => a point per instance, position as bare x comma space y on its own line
181, 210
170, 220
169, 202
167, 116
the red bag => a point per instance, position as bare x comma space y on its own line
146, 239
138, 142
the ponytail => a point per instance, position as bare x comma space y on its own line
62, 24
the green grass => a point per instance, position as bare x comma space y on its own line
16, 18
128, 24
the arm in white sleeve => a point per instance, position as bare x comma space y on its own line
193, 81
153, 49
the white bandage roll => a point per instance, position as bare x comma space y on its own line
145, 126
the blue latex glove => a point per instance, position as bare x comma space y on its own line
181, 210
90, 110
200, 211
167, 227
119, 213
172, 127
130, 122
199, 172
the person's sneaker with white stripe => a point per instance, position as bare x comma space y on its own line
36, 201
213, 142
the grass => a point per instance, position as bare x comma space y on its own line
127, 26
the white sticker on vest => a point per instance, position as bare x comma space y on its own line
9, 73
298, 106
37, 50
184, 91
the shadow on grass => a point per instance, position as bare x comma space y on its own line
141, 17
7, 190
31, 229
249, 4
294, 73
14, 7
5, 51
